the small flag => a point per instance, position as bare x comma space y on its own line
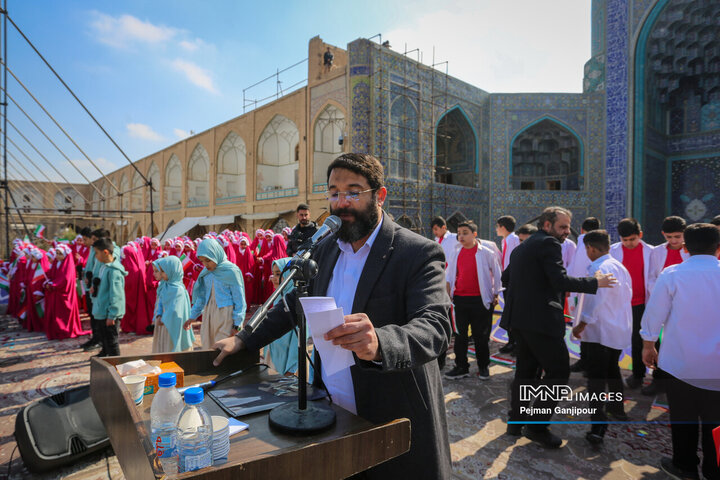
186, 263
39, 231
26, 239
40, 307
39, 274
4, 282
22, 314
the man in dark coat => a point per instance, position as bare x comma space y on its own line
398, 322
536, 283
303, 231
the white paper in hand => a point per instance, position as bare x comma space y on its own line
322, 316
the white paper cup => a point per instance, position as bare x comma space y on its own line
136, 386
221, 439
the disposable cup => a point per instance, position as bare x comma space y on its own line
221, 439
136, 385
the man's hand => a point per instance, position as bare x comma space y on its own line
605, 280
158, 320
358, 335
578, 329
188, 324
649, 354
110, 322
227, 346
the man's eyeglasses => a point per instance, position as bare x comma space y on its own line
351, 196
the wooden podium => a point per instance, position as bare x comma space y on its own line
350, 446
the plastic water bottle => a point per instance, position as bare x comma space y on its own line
194, 433
164, 413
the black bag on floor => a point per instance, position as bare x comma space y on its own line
58, 430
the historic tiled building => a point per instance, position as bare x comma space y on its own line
643, 139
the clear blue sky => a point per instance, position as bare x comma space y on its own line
151, 71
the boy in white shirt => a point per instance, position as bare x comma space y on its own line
473, 282
605, 328
505, 228
684, 305
669, 253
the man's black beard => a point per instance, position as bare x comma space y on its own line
365, 222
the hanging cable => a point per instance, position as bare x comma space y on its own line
58, 125
74, 96
44, 158
44, 174
46, 136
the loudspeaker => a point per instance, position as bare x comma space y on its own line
58, 430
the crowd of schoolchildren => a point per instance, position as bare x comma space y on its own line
665, 299
143, 287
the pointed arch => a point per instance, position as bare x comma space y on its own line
328, 131
173, 184
124, 189
104, 196
278, 158
456, 149
153, 174
67, 200
136, 197
404, 145
546, 154
231, 177
198, 178
454, 220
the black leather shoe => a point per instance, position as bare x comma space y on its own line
514, 429
101, 354
544, 437
578, 366
667, 466
92, 346
594, 438
651, 390
633, 382
507, 348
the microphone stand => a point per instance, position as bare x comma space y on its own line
301, 418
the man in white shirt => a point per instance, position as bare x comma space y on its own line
577, 268
505, 228
605, 329
684, 306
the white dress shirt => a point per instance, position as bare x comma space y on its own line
608, 313
578, 268
568, 251
342, 287
684, 305
493, 248
488, 273
448, 243
509, 243
657, 262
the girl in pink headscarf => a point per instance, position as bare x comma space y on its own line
62, 313
246, 263
35, 278
16, 275
137, 317
277, 251
150, 283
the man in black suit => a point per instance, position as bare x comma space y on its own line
392, 283
536, 283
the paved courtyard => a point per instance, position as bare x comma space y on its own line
32, 367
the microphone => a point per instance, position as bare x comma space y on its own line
330, 226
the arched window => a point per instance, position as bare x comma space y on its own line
455, 219
112, 199
278, 154
546, 156
198, 186
136, 197
154, 176
67, 200
104, 197
125, 198
29, 198
329, 129
455, 150
173, 183
403, 154
231, 178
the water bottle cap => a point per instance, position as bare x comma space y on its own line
194, 395
167, 379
